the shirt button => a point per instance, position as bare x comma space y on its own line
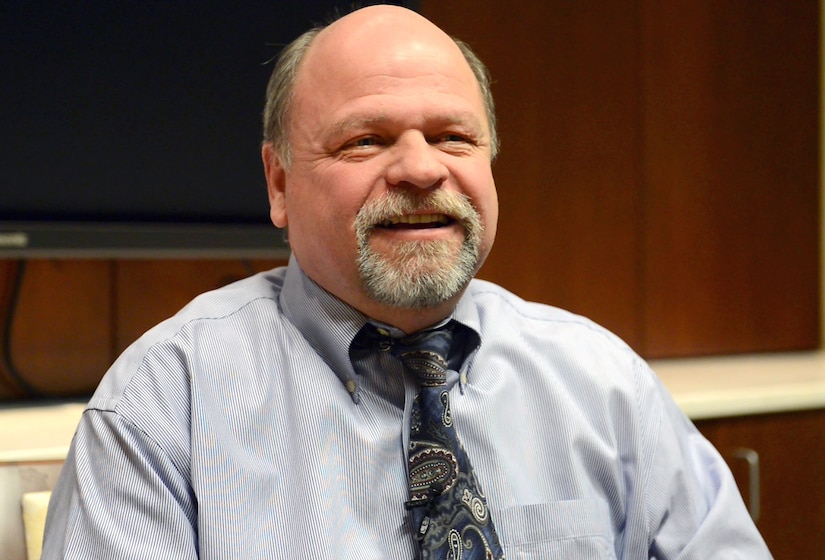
352, 386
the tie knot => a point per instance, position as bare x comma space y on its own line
424, 354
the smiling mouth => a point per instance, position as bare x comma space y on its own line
416, 221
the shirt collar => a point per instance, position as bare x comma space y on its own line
329, 325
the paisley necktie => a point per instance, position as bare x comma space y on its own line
449, 512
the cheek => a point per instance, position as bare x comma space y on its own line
490, 217
482, 191
322, 207
491, 220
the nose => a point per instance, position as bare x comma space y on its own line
415, 163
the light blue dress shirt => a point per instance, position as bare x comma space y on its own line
240, 428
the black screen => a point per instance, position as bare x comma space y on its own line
136, 125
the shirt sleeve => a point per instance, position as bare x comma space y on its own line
119, 496
699, 513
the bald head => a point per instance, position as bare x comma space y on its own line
381, 23
371, 32
383, 34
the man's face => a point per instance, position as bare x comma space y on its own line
390, 183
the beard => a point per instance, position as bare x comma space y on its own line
418, 274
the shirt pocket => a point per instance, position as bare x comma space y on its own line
577, 529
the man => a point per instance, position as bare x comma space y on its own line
261, 422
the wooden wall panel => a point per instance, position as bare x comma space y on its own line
659, 170
731, 104
61, 337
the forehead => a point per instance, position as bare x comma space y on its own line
383, 35
370, 80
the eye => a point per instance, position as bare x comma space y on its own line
453, 137
455, 143
360, 147
364, 142
457, 140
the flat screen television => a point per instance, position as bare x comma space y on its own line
132, 128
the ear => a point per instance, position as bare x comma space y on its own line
275, 185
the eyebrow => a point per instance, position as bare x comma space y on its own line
356, 122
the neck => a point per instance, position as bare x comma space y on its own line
409, 320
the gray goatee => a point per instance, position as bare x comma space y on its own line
418, 274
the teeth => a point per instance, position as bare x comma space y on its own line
416, 219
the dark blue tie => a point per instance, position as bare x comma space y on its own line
449, 511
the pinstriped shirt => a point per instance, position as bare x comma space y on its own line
240, 428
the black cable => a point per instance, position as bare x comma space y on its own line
8, 360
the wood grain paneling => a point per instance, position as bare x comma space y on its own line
659, 167
60, 337
731, 189
11, 385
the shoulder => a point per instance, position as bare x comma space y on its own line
505, 313
556, 352
217, 321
